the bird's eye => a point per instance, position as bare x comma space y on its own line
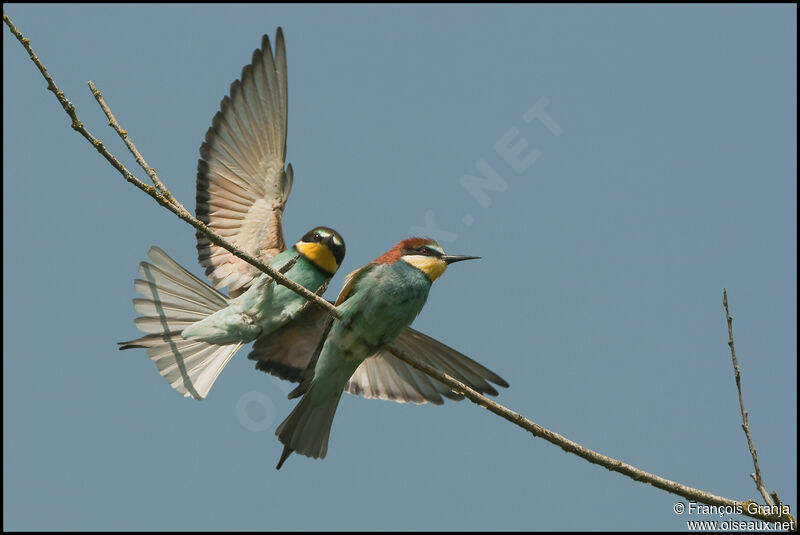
316, 237
424, 251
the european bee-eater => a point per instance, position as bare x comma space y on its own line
378, 302
195, 330
242, 188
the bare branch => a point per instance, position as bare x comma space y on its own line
745, 422
585, 453
112, 122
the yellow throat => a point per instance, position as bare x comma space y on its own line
429, 265
319, 255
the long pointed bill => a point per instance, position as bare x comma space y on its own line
450, 259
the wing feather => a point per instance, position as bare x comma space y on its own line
382, 384
242, 179
287, 352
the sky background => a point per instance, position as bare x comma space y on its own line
662, 171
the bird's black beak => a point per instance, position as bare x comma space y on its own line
450, 259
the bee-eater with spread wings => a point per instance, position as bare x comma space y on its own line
242, 188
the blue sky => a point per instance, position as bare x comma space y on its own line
642, 158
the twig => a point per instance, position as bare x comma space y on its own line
112, 122
163, 197
745, 421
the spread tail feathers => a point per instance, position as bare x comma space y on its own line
173, 300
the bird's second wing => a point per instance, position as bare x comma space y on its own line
384, 376
287, 352
242, 185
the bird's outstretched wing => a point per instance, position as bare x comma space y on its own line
287, 352
242, 185
384, 376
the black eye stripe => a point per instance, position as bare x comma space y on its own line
424, 251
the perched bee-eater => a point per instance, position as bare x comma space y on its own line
378, 302
195, 330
